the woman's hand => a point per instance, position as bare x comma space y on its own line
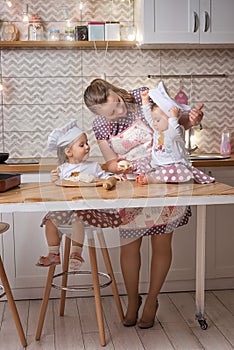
54, 175
196, 115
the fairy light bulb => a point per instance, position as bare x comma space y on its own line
9, 3
25, 13
81, 5
65, 16
1, 87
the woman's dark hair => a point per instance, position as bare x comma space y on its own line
98, 91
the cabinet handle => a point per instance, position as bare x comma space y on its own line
210, 173
195, 22
206, 21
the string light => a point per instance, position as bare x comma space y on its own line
65, 16
1, 87
81, 5
25, 13
8, 2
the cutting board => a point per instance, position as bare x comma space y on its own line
68, 183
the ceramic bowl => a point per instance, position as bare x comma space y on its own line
3, 157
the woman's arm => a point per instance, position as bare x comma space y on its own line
194, 118
110, 157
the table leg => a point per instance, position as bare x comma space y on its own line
200, 265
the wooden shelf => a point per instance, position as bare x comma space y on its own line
68, 44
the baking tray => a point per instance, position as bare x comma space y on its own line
9, 180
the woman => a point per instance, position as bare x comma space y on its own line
123, 133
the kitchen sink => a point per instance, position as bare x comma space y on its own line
207, 156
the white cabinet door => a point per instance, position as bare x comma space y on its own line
216, 21
167, 21
184, 21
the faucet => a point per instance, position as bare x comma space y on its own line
189, 147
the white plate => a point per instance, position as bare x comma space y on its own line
131, 177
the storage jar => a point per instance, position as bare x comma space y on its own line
96, 31
35, 28
53, 34
69, 35
112, 31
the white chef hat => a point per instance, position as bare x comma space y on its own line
160, 96
64, 136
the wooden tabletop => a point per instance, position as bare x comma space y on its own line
47, 164
48, 196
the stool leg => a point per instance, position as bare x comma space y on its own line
67, 248
97, 294
12, 305
45, 301
110, 272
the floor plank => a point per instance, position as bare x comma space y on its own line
175, 326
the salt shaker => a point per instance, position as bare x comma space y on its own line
225, 146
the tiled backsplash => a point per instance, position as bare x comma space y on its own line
43, 88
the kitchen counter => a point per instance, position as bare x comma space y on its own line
44, 165
47, 164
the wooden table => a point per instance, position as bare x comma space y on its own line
33, 197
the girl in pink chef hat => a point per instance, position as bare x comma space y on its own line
170, 163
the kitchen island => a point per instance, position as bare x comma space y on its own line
35, 197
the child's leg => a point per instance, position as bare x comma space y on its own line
76, 259
53, 241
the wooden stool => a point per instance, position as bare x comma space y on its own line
95, 278
7, 291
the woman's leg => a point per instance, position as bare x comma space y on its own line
130, 264
160, 264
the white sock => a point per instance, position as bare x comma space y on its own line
54, 249
77, 249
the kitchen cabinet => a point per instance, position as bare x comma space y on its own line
184, 21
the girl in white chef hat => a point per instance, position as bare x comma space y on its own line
170, 162
72, 148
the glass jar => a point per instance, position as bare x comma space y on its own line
69, 35
35, 28
53, 34
225, 145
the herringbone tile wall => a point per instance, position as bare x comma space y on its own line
43, 88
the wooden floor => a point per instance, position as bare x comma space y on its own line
175, 326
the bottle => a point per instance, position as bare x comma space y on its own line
225, 146
35, 28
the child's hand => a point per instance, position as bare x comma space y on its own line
174, 112
145, 97
54, 175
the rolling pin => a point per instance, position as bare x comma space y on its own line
109, 183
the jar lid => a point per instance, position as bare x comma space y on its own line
94, 23
54, 30
35, 18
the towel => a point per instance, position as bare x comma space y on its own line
160, 96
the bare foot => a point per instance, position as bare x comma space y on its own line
142, 179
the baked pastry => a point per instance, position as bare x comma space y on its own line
83, 177
124, 164
109, 183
